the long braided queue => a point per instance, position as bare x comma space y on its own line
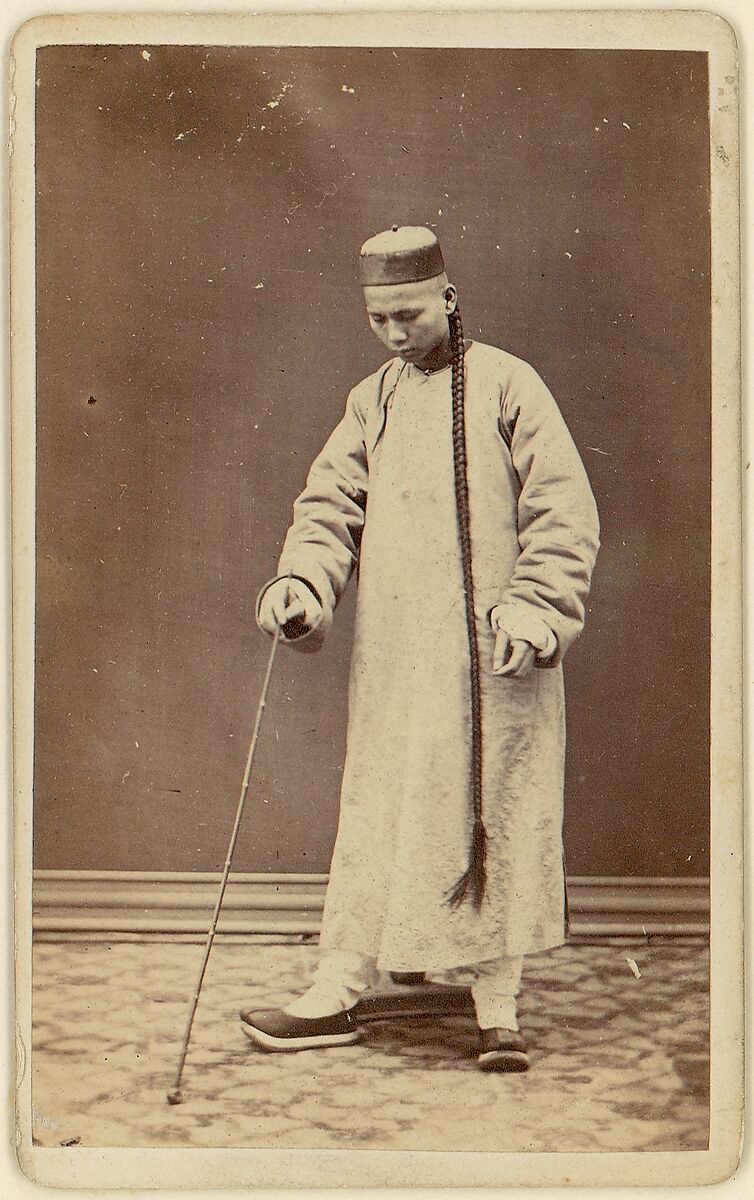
474, 877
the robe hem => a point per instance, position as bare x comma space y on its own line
491, 950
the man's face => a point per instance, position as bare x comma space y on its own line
410, 319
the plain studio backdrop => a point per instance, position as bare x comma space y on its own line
199, 213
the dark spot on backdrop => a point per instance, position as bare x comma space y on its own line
199, 324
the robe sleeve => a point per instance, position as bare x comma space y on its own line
322, 544
558, 524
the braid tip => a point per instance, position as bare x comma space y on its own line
474, 878
458, 892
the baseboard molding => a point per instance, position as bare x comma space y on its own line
129, 905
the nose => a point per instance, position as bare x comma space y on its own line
396, 335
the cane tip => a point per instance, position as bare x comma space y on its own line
175, 1097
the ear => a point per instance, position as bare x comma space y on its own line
450, 296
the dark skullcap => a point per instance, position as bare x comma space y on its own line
400, 255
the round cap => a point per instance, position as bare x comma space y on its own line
404, 254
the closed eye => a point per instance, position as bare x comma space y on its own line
403, 315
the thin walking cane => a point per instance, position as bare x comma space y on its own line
174, 1096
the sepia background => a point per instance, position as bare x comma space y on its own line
199, 211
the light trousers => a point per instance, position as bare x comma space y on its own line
342, 976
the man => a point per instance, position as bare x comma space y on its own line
475, 553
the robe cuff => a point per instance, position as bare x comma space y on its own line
312, 638
525, 626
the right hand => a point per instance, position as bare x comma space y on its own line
289, 600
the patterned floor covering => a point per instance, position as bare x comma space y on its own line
619, 1057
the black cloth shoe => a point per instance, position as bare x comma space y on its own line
273, 1029
502, 1050
408, 978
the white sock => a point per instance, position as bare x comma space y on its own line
340, 979
494, 990
321, 1001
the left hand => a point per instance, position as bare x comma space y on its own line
512, 657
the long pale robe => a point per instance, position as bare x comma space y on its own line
381, 494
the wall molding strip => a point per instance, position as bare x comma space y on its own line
76, 905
